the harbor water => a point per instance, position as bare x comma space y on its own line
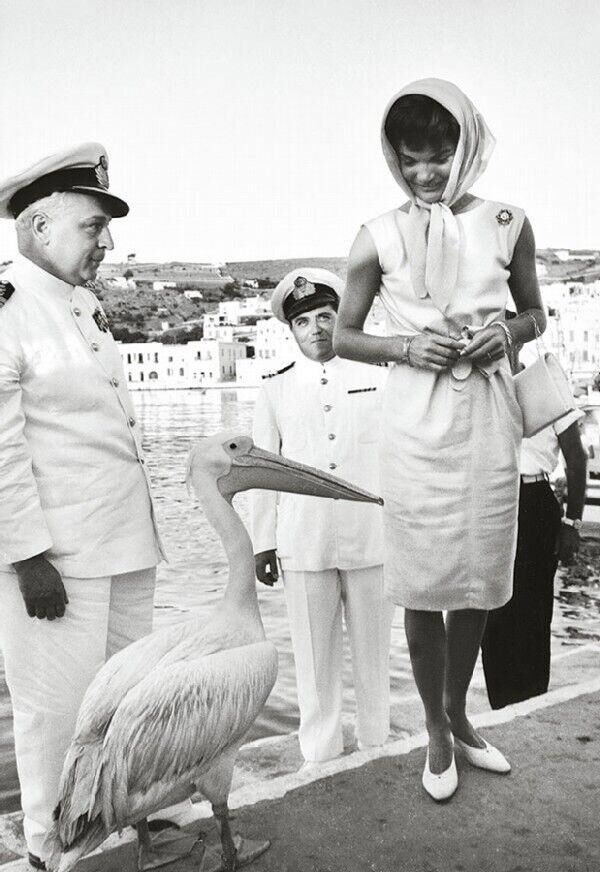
193, 579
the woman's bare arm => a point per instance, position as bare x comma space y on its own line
364, 278
525, 289
427, 350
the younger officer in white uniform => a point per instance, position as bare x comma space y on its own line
324, 412
78, 541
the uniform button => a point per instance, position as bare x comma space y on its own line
95, 346
327, 408
333, 466
77, 312
132, 422
331, 436
114, 382
324, 381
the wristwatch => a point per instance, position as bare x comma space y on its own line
573, 522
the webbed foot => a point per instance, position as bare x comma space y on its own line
246, 850
166, 846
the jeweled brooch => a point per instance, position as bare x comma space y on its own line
504, 217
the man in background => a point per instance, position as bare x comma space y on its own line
516, 645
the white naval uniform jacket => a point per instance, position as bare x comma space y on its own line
72, 478
326, 416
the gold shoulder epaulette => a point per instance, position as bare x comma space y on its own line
279, 371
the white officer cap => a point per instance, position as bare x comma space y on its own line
81, 168
304, 289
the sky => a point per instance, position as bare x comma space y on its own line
249, 129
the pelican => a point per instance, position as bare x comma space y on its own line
165, 717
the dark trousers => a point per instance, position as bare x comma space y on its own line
516, 643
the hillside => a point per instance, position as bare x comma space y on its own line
273, 270
139, 312
139, 305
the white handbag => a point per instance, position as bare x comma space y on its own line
543, 391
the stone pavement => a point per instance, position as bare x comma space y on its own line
367, 812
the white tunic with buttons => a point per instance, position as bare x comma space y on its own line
326, 416
72, 478
450, 445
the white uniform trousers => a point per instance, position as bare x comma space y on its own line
315, 603
49, 665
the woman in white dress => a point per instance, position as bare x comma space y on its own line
444, 265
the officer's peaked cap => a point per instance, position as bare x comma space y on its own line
304, 289
81, 168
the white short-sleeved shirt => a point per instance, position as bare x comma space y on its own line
540, 453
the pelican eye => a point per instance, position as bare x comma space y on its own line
233, 444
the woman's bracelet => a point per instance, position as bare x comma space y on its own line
507, 333
405, 352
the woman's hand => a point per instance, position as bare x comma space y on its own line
486, 345
433, 351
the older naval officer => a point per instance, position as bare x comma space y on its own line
324, 411
78, 539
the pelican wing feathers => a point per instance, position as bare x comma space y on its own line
127, 667
167, 731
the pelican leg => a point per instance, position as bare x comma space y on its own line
236, 851
165, 847
228, 848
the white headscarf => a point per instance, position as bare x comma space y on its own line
434, 240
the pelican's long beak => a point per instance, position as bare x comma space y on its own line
262, 469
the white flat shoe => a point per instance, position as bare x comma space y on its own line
489, 758
316, 766
442, 786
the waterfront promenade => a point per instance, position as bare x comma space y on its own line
267, 767
367, 812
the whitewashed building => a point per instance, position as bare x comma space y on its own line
216, 326
232, 311
573, 333
158, 366
274, 347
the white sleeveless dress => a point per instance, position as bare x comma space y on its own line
449, 447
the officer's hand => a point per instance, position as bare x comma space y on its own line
432, 351
568, 544
266, 567
41, 587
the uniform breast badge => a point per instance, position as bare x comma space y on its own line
101, 321
504, 217
6, 292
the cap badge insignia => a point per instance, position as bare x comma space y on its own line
504, 217
303, 288
101, 320
101, 169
